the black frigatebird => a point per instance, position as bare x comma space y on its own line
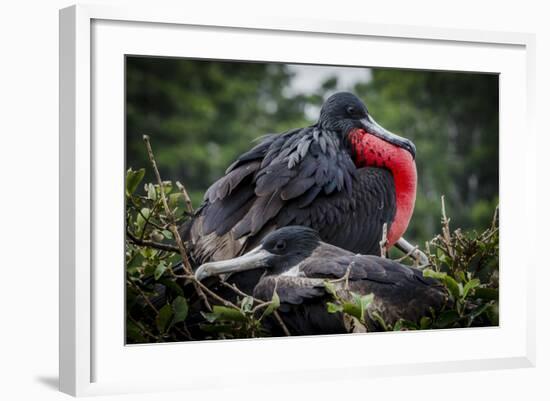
345, 176
296, 263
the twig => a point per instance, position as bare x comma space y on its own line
384, 241
260, 306
186, 197
144, 296
173, 228
275, 313
445, 228
142, 328
281, 323
419, 257
138, 208
151, 244
225, 302
345, 277
235, 289
495, 218
186, 331
147, 220
402, 258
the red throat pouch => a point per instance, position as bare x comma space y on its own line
371, 151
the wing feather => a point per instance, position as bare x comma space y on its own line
302, 177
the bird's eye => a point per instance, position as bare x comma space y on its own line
350, 110
280, 245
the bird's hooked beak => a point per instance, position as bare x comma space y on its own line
373, 128
254, 259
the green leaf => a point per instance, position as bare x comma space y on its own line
461, 276
433, 274
330, 288
351, 308
425, 322
470, 285
174, 199
246, 304
167, 186
398, 326
446, 319
167, 234
477, 312
163, 318
210, 317
452, 286
151, 192
149, 270
140, 219
172, 285
377, 317
159, 271
134, 332
366, 300
136, 261
403, 324
180, 307
133, 178
275, 303
225, 313
334, 308
362, 302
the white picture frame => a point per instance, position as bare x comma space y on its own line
93, 357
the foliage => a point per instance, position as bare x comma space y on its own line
148, 268
159, 302
163, 306
467, 265
350, 304
242, 322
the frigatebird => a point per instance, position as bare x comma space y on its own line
345, 176
295, 263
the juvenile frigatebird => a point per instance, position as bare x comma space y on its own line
345, 177
295, 263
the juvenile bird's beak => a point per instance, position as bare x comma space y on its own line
373, 128
254, 259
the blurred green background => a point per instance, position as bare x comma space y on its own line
202, 114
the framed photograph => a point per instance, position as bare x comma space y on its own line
236, 191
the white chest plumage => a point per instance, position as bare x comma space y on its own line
293, 272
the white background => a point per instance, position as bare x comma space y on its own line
29, 168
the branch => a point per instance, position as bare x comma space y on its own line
495, 218
445, 228
345, 277
281, 323
384, 241
151, 244
186, 197
200, 288
144, 296
419, 257
259, 301
143, 329
183, 252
